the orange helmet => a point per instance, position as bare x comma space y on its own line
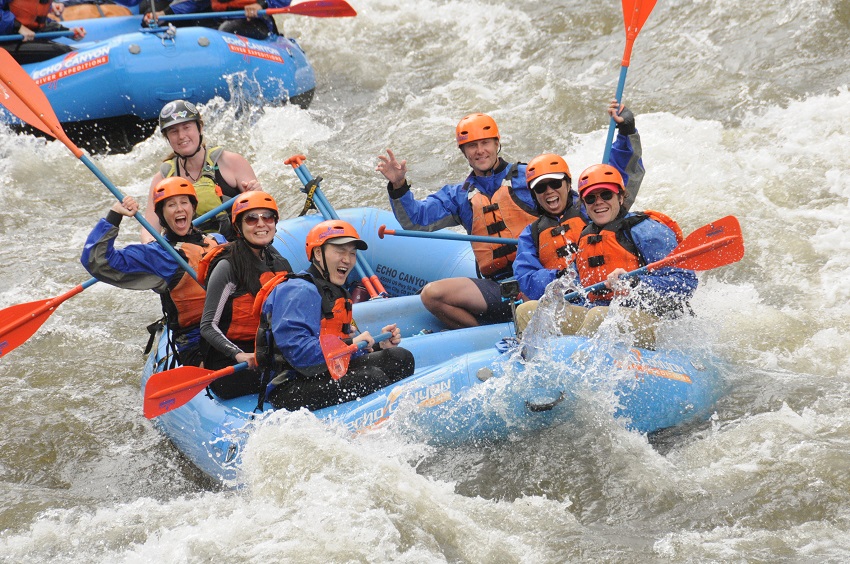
174, 186
253, 200
474, 127
545, 167
597, 175
334, 231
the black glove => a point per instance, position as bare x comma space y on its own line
628, 125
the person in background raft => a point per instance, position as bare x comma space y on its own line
298, 308
28, 17
251, 26
217, 174
546, 247
616, 242
150, 267
155, 9
495, 201
234, 274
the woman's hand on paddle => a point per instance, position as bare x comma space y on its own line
392, 341
623, 117
79, 33
127, 207
621, 286
247, 357
392, 170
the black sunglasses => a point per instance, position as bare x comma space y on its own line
606, 195
541, 187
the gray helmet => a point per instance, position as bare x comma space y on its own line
178, 111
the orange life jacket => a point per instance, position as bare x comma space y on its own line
556, 240
503, 215
188, 296
337, 316
601, 251
31, 13
219, 6
243, 323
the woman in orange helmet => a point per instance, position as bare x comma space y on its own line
150, 267
234, 274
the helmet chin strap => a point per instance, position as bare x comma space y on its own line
323, 268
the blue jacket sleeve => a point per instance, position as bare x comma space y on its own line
528, 270
449, 206
278, 3
655, 241
295, 308
135, 267
7, 19
437, 211
626, 156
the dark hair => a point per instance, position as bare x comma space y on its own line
244, 265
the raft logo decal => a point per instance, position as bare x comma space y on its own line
74, 63
654, 367
399, 281
256, 49
425, 396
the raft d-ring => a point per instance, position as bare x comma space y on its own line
169, 34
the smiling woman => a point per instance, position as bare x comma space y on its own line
217, 174
150, 267
234, 275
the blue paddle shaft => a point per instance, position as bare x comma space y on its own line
454, 236
141, 218
360, 266
613, 125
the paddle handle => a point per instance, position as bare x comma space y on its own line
612, 125
213, 212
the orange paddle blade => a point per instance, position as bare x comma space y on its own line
23, 97
169, 390
635, 14
337, 355
717, 244
318, 9
19, 322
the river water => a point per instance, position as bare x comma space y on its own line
743, 109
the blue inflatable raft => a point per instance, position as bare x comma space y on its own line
470, 384
108, 93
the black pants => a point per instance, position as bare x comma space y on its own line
365, 375
255, 29
242, 383
35, 51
